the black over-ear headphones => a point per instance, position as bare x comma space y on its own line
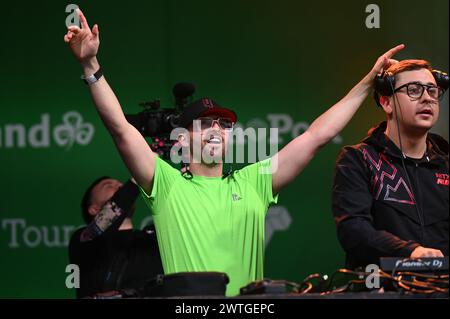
385, 83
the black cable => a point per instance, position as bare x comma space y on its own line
432, 283
418, 210
345, 271
307, 282
408, 285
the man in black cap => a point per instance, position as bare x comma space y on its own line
204, 221
207, 126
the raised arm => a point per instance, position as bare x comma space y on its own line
294, 157
113, 212
134, 150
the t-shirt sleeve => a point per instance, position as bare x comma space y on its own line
259, 175
163, 179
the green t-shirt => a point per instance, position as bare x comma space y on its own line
212, 223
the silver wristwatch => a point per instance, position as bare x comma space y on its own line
91, 79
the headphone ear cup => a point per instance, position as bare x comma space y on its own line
376, 97
383, 86
441, 78
379, 82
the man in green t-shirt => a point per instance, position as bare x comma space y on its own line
205, 221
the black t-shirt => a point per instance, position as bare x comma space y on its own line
115, 260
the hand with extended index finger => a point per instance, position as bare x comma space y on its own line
84, 42
385, 61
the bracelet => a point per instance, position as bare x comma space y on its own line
91, 79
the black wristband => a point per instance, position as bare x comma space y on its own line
126, 196
89, 80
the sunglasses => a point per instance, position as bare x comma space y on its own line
208, 122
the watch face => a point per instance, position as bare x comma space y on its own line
91, 79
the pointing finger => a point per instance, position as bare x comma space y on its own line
84, 23
394, 51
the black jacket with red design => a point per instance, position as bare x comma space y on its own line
377, 213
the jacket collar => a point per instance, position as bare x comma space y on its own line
437, 146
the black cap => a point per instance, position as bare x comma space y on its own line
204, 107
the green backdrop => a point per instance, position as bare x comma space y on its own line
262, 58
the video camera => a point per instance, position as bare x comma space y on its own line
157, 123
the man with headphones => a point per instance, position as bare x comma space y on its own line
390, 194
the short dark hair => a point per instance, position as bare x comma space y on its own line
86, 201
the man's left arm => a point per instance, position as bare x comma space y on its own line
294, 157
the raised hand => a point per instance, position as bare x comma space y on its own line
84, 42
384, 62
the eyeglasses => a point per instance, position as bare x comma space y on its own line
415, 90
208, 122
